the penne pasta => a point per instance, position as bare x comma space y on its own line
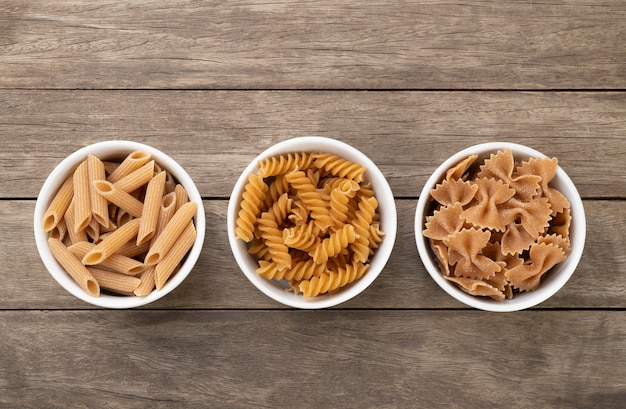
166, 211
120, 198
181, 196
82, 203
57, 208
99, 205
132, 162
93, 230
170, 183
147, 282
151, 207
174, 256
74, 267
114, 281
116, 262
131, 249
170, 233
112, 243
73, 236
137, 178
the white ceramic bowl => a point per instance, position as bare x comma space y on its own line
552, 281
386, 209
114, 150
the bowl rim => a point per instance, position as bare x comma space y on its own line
105, 150
388, 217
524, 300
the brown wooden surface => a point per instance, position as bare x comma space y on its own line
408, 83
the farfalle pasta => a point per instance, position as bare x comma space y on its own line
311, 220
497, 227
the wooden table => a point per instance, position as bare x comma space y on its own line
213, 84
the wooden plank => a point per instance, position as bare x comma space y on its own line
323, 359
215, 134
489, 44
217, 282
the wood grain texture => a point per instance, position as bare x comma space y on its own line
215, 134
489, 44
217, 282
348, 359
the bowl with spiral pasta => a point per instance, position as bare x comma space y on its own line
311, 222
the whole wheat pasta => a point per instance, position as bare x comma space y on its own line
170, 233
59, 231
112, 243
73, 236
82, 204
147, 282
174, 256
181, 196
151, 208
57, 208
170, 183
131, 249
117, 262
166, 212
93, 230
114, 281
122, 199
136, 178
74, 267
99, 205
133, 161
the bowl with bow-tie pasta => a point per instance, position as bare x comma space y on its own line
500, 226
311, 222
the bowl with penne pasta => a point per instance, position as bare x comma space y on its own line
500, 226
119, 224
311, 222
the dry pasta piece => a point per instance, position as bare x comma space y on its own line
332, 280
254, 193
534, 215
137, 178
118, 197
74, 267
174, 256
546, 169
339, 197
268, 226
444, 222
542, 257
299, 270
170, 233
561, 242
99, 206
112, 243
450, 192
468, 243
116, 262
151, 208
114, 281
501, 166
58, 206
73, 236
181, 196
132, 162
303, 237
560, 223
362, 223
311, 198
486, 214
281, 164
457, 171
332, 245
476, 287
146, 285
339, 166
82, 204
